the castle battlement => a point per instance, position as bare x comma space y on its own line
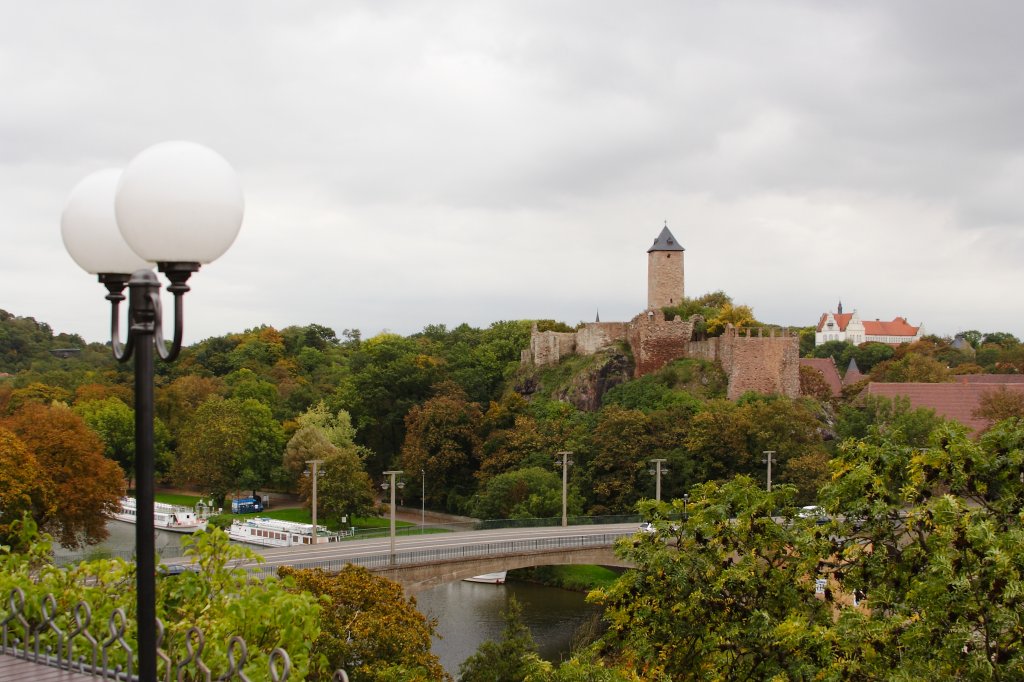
765, 363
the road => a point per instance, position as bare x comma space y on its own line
355, 550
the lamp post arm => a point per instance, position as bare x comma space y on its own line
115, 284
178, 274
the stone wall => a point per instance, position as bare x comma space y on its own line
753, 361
656, 341
762, 363
595, 336
548, 348
665, 280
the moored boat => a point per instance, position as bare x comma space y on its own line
269, 532
496, 578
170, 517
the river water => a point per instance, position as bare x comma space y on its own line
468, 614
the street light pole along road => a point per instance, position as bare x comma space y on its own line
565, 454
658, 471
392, 484
313, 463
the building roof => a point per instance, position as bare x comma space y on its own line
898, 327
957, 400
853, 373
827, 367
990, 378
665, 242
842, 319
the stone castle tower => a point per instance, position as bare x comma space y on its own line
762, 363
664, 271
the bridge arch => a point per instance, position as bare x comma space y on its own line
415, 578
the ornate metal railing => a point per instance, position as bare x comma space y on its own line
39, 638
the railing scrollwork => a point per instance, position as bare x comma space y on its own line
64, 640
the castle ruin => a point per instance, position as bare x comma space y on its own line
761, 363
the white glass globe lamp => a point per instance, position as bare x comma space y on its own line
179, 202
89, 229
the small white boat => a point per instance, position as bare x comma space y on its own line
497, 578
171, 517
269, 532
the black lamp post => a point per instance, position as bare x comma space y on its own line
179, 205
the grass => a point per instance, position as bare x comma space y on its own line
175, 498
581, 578
304, 516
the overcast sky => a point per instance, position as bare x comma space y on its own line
411, 163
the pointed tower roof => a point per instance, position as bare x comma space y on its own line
665, 242
853, 373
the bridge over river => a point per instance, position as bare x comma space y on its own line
423, 561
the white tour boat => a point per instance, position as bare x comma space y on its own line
267, 532
172, 517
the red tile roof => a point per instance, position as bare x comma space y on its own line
827, 367
990, 378
853, 374
842, 319
956, 400
898, 327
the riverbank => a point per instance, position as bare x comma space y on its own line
575, 578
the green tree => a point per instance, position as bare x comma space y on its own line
711, 593
264, 445
443, 438
533, 492
387, 375
911, 368
218, 597
877, 415
739, 316
176, 401
210, 448
367, 627
345, 489
512, 659
114, 422
931, 536
614, 460
1000, 403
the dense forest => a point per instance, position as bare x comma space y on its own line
914, 572
245, 411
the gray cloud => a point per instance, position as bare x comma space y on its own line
414, 162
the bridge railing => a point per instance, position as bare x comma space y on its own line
446, 554
549, 521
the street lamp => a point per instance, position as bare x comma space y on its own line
313, 463
392, 485
658, 471
423, 500
686, 498
768, 459
178, 205
564, 454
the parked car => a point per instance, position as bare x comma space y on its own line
813, 512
